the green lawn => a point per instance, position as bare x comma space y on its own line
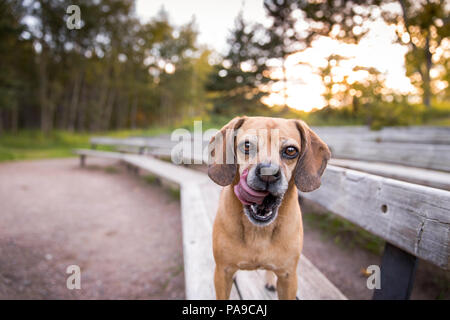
32, 144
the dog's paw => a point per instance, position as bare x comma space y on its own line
271, 281
270, 287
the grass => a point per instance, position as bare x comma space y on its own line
33, 144
343, 232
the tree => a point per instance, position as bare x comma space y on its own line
114, 72
16, 58
421, 25
236, 84
283, 38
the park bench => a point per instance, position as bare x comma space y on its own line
199, 200
404, 200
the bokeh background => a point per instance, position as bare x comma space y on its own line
157, 65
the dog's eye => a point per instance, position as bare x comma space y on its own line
290, 152
246, 147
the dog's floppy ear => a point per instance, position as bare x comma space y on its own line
313, 159
222, 164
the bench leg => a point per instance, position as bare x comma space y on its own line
398, 269
82, 160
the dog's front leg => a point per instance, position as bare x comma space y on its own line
287, 285
223, 280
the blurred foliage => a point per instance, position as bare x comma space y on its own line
382, 114
234, 86
113, 73
422, 26
117, 72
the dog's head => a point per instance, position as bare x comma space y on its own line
261, 156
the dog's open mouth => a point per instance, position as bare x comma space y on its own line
264, 212
261, 207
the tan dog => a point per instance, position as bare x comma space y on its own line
261, 162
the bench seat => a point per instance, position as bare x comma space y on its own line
199, 199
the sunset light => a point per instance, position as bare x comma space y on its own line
376, 50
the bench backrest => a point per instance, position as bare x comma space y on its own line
420, 147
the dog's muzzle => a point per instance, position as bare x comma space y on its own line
261, 191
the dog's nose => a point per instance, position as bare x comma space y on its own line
268, 172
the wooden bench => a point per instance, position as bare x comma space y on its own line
394, 183
199, 199
419, 147
401, 198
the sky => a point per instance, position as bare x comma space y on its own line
215, 19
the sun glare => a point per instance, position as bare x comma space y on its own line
377, 50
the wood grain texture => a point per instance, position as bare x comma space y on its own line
197, 245
415, 134
412, 217
99, 154
425, 177
428, 156
311, 283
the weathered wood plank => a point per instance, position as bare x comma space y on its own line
99, 154
412, 217
251, 286
313, 284
425, 177
197, 245
165, 170
426, 156
150, 142
414, 134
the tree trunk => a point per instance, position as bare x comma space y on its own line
73, 109
81, 126
1, 121
133, 112
14, 119
108, 109
285, 94
426, 81
43, 89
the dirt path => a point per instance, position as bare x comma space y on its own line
123, 233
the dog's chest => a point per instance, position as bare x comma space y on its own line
259, 253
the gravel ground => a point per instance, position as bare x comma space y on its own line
124, 234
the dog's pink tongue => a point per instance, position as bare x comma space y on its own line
247, 195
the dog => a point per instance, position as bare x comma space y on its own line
262, 162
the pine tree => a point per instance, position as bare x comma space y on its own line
236, 84
283, 38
